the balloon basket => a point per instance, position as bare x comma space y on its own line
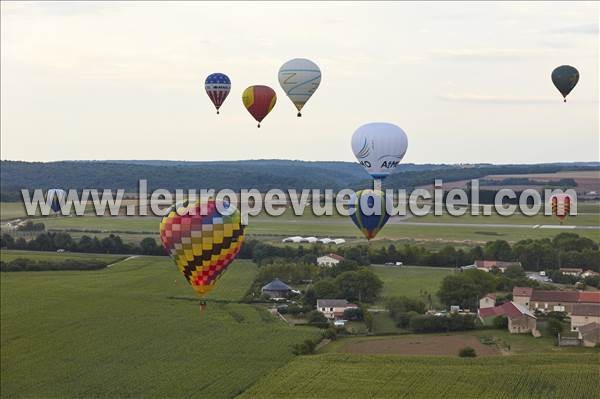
299, 115
258, 125
202, 306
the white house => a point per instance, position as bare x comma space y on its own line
329, 260
334, 308
488, 301
338, 241
325, 240
311, 240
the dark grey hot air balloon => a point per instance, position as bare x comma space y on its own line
565, 77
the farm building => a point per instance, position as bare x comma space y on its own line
329, 260
334, 308
567, 271
520, 319
584, 313
557, 301
488, 301
295, 239
589, 334
310, 240
276, 289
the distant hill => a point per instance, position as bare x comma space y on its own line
259, 174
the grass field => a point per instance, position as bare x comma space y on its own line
131, 331
8, 255
364, 376
411, 281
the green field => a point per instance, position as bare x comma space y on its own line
362, 376
132, 330
411, 281
8, 255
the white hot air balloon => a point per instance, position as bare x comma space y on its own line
299, 78
379, 147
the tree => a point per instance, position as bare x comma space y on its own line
500, 322
326, 289
316, 317
554, 327
362, 285
7, 241
467, 351
464, 289
498, 250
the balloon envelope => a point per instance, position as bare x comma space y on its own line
369, 222
561, 205
299, 78
379, 147
565, 77
57, 197
217, 86
259, 101
202, 245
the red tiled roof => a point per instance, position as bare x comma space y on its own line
336, 256
522, 291
589, 297
508, 309
555, 296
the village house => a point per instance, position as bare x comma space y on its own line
489, 265
567, 271
329, 260
488, 301
583, 314
334, 308
276, 289
589, 334
553, 301
520, 318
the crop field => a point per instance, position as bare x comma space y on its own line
419, 344
135, 330
368, 376
412, 281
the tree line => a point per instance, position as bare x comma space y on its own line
53, 241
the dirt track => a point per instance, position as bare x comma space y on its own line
435, 345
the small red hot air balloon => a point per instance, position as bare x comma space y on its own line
561, 206
259, 101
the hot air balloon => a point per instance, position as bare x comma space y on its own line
565, 77
561, 206
299, 78
57, 197
202, 245
217, 87
379, 147
369, 225
259, 101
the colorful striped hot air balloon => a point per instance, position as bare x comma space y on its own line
561, 206
369, 222
202, 245
259, 101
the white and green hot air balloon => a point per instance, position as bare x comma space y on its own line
299, 78
379, 147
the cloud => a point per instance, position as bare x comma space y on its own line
578, 29
490, 54
487, 99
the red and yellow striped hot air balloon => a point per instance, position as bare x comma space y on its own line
204, 243
259, 101
561, 206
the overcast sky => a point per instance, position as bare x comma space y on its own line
468, 82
